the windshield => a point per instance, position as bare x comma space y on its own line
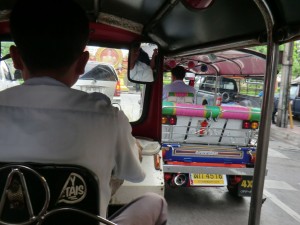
209, 84
105, 72
293, 91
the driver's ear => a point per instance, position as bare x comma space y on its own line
81, 62
16, 57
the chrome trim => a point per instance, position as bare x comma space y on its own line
208, 170
264, 132
96, 217
16, 169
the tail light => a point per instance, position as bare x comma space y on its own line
254, 125
250, 124
118, 89
233, 180
168, 176
171, 120
192, 83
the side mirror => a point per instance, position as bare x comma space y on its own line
142, 62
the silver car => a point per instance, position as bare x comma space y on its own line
99, 77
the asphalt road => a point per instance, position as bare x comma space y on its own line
214, 206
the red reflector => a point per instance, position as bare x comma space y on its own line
167, 176
172, 120
235, 179
246, 125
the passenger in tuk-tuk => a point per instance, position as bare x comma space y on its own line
45, 121
177, 85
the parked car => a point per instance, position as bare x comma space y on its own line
6, 78
294, 100
100, 77
227, 89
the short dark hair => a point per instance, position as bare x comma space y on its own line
178, 72
49, 34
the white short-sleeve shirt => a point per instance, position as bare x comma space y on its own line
177, 86
45, 121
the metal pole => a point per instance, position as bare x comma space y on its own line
264, 130
286, 77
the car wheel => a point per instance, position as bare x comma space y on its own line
233, 190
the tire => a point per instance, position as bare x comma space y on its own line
232, 187
233, 190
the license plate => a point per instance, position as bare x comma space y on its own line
200, 179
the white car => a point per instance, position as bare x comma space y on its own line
97, 77
100, 77
6, 80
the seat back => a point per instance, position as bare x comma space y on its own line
180, 97
32, 193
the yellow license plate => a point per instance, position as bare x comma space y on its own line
200, 179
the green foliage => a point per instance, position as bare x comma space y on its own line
5, 48
296, 57
250, 87
261, 49
167, 78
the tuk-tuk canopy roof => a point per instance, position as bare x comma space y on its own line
243, 63
179, 26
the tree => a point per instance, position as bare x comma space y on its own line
5, 48
296, 60
296, 57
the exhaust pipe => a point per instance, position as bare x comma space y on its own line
180, 179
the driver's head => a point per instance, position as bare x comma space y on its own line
49, 34
178, 72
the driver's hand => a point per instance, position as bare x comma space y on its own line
115, 184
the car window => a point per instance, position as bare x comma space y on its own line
209, 84
99, 71
293, 91
228, 85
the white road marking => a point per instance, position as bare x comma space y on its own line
276, 154
283, 206
274, 184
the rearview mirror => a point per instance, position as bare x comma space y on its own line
142, 62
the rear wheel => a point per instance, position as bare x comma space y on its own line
233, 190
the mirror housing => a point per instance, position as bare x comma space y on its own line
142, 62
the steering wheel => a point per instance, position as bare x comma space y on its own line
225, 97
